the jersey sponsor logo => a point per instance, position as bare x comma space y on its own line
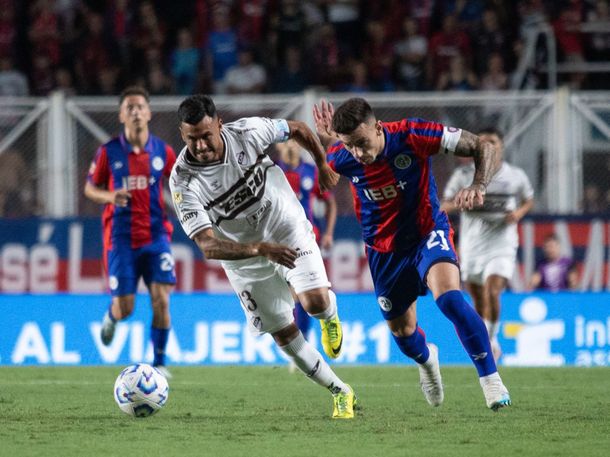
303, 253
158, 163
384, 303
307, 183
255, 218
188, 216
136, 182
248, 190
384, 193
177, 196
402, 161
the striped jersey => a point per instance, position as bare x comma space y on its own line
304, 182
395, 197
117, 166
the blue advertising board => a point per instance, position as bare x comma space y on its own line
539, 329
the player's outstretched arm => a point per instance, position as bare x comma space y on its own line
214, 248
486, 163
304, 136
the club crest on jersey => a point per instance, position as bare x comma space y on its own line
307, 183
158, 163
384, 303
402, 161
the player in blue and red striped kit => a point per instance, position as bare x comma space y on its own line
408, 239
127, 177
303, 179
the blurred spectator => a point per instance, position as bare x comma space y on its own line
410, 54
148, 34
8, 29
490, 39
599, 18
247, 77
12, 81
570, 39
119, 18
458, 77
16, 190
378, 53
324, 56
157, 82
359, 81
43, 81
290, 77
96, 53
554, 272
495, 78
43, 31
345, 17
288, 28
64, 81
468, 12
444, 46
592, 200
250, 19
185, 61
221, 48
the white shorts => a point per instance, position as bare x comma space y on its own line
478, 269
264, 292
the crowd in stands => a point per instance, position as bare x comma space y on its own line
96, 47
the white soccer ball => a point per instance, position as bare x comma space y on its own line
141, 390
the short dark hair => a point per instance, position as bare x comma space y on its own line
134, 90
195, 108
492, 131
351, 114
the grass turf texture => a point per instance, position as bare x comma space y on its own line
266, 411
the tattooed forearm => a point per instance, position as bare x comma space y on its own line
486, 159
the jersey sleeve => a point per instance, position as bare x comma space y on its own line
455, 183
189, 209
333, 157
99, 174
428, 138
527, 191
170, 160
261, 132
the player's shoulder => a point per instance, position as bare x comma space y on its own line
246, 125
113, 143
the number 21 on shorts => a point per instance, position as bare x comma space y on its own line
437, 237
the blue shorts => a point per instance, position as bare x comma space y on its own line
153, 262
400, 277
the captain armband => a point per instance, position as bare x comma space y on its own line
450, 138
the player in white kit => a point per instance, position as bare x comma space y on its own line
237, 206
489, 239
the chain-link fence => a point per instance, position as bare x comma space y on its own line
561, 140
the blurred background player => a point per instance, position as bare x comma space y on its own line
554, 272
126, 176
238, 207
303, 178
488, 233
408, 240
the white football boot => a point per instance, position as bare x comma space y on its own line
430, 378
496, 393
107, 331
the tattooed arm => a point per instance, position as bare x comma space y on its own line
487, 162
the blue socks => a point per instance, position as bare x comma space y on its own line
302, 319
159, 341
414, 346
470, 329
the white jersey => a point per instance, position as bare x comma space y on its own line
484, 230
246, 198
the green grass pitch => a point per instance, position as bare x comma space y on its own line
266, 411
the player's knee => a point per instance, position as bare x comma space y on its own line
126, 305
315, 301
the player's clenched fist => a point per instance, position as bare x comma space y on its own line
121, 197
470, 196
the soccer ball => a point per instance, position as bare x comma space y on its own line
140, 390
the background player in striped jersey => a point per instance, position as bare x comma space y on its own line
126, 176
408, 239
488, 233
303, 178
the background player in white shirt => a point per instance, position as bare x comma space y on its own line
488, 238
237, 206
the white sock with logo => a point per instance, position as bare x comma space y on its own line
488, 324
493, 329
331, 311
310, 362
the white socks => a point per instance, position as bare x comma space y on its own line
310, 362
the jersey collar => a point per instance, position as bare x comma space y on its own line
128, 148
